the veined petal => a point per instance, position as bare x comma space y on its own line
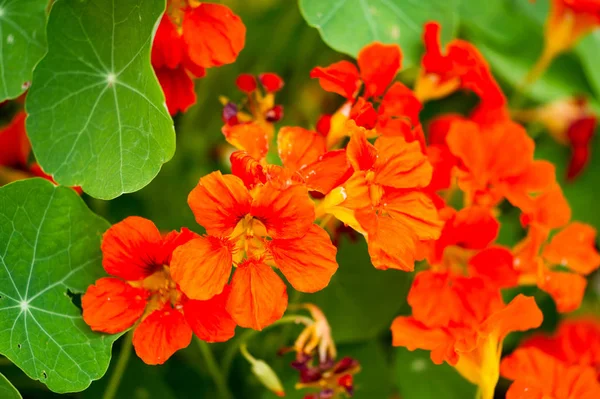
361, 154
286, 213
331, 170
111, 305
202, 267
219, 202
307, 262
160, 335
258, 296
415, 210
299, 147
247, 168
132, 248
209, 319
401, 164
379, 63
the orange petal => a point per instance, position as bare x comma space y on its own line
574, 247
379, 63
173, 240
549, 210
400, 102
258, 296
341, 78
202, 267
250, 137
112, 306
307, 262
209, 319
299, 147
412, 334
566, 289
178, 87
160, 335
214, 34
415, 210
14, 144
361, 154
401, 164
132, 249
219, 202
286, 213
247, 168
521, 314
330, 171
392, 245
496, 265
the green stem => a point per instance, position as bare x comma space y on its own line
213, 369
115, 378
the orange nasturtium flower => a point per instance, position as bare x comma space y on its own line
538, 375
142, 294
191, 37
463, 321
383, 199
252, 231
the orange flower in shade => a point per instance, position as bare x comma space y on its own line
190, 38
558, 267
142, 294
538, 375
461, 67
576, 342
496, 162
463, 323
383, 199
570, 122
253, 231
396, 110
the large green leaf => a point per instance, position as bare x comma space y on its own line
49, 250
97, 115
590, 59
22, 43
418, 377
349, 25
7, 390
361, 301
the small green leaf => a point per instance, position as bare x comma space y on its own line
49, 251
97, 115
22, 43
417, 377
7, 390
361, 301
349, 25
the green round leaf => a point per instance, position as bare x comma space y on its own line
7, 390
361, 301
22, 43
349, 25
49, 250
418, 377
97, 115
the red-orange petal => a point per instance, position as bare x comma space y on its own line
299, 147
574, 247
219, 202
341, 77
496, 265
111, 305
178, 87
286, 213
565, 288
173, 240
361, 154
330, 171
392, 245
14, 144
168, 46
132, 248
202, 267
214, 34
379, 63
307, 262
258, 296
415, 210
161, 334
412, 334
521, 314
401, 164
209, 319
247, 168
250, 137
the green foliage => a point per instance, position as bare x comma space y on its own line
419, 378
7, 390
97, 117
22, 43
349, 25
50, 250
